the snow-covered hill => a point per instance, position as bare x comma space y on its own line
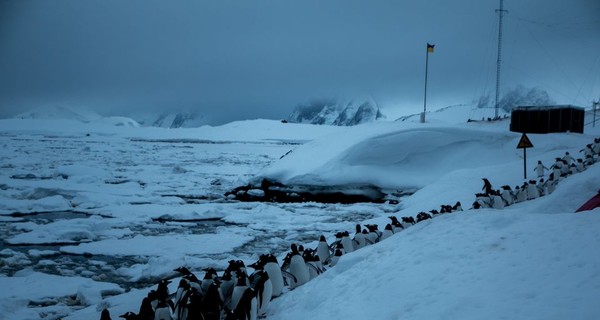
171, 120
113, 189
82, 115
337, 112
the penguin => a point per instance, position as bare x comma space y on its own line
336, 257
263, 288
346, 241
313, 263
567, 159
457, 206
163, 311
579, 165
181, 300
227, 285
541, 186
487, 186
323, 250
374, 234
539, 169
507, 195
194, 309
410, 220
359, 238
484, 199
162, 291
497, 202
271, 266
397, 226
247, 307
208, 279
212, 302
105, 315
387, 232
193, 281
238, 291
532, 190
146, 309
183, 270
129, 316
422, 216
297, 267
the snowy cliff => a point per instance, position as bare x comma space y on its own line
336, 112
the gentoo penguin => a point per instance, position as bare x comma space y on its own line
263, 288
238, 290
374, 233
183, 270
313, 263
410, 220
194, 305
359, 238
271, 266
457, 206
387, 232
497, 202
323, 250
507, 195
247, 307
208, 279
421, 216
163, 311
532, 190
105, 315
212, 303
344, 239
193, 281
336, 257
227, 284
181, 300
129, 316
297, 267
396, 225
146, 309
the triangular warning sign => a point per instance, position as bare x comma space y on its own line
524, 142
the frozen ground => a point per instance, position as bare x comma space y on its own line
103, 211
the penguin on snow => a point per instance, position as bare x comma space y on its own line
271, 266
323, 250
262, 285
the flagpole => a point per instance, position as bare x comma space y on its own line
429, 48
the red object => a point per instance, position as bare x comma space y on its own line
594, 202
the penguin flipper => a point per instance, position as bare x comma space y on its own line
317, 270
287, 275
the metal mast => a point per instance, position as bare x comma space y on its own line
501, 12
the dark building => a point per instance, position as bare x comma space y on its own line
547, 119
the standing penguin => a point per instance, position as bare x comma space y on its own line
487, 186
387, 232
208, 279
374, 234
271, 266
539, 169
105, 315
507, 195
146, 309
238, 291
297, 267
359, 238
344, 237
262, 286
212, 302
336, 257
247, 307
567, 159
532, 190
397, 226
227, 285
181, 300
163, 311
323, 250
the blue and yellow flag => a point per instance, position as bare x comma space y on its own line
430, 47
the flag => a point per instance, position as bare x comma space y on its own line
430, 47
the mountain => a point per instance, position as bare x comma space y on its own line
336, 112
172, 120
518, 96
79, 114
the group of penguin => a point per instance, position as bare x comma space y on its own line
237, 295
533, 189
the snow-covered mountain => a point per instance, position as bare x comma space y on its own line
63, 112
171, 120
336, 112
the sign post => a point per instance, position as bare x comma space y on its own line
524, 143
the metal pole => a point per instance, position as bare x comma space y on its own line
501, 12
525, 163
595, 105
426, 70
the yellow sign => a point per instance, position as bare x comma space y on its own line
524, 142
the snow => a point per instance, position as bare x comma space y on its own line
107, 208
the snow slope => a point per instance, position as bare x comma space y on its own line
533, 260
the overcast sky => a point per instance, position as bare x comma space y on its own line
244, 59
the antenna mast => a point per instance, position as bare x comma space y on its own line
501, 12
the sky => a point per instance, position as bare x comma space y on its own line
232, 60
